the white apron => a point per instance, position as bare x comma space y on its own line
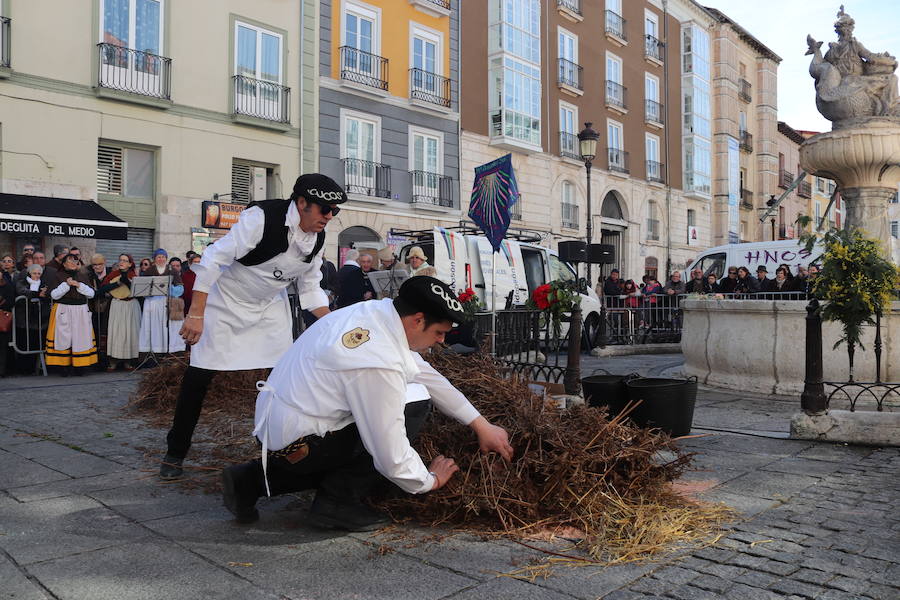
240, 331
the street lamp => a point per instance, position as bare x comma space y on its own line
587, 146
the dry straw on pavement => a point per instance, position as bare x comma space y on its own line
575, 473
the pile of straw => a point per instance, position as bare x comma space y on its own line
574, 471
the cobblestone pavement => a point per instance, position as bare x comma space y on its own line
83, 516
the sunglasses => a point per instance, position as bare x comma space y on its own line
327, 209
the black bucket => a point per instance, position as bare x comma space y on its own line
606, 390
667, 404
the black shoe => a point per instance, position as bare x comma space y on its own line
171, 468
328, 513
239, 492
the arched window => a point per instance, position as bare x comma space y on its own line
610, 208
352, 236
568, 206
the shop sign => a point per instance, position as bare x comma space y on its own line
220, 215
62, 229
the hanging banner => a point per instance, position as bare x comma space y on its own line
734, 191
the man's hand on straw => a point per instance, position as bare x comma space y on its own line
443, 469
492, 438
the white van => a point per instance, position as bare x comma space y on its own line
753, 254
463, 259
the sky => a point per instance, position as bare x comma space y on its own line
782, 25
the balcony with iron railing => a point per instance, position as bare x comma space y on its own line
615, 26
5, 59
515, 211
569, 215
615, 95
570, 8
367, 178
653, 229
652, 48
744, 88
568, 77
364, 68
656, 171
746, 142
746, 199
431, 188
785, 179
804, 190
568, 145
132, 71
435, 8
654, 112
261, 99
428, 87
617, 160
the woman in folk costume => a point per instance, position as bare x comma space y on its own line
70, 334
99, 305
159, 325
124, 326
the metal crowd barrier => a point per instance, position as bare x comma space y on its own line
23, 310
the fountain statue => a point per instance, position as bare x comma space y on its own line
857, 91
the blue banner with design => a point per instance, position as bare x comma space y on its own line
494, 192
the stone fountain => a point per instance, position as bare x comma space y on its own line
857, 91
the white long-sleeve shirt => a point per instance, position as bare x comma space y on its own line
60, 290
323, 384
247, 323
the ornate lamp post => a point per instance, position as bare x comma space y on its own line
587, 146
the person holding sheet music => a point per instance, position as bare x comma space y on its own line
159, 333
240, 317
70, 333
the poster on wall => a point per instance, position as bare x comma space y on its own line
734, 191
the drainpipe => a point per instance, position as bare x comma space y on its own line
665, 5
300, 92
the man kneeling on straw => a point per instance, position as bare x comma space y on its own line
342, 405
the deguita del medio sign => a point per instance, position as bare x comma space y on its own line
39, 228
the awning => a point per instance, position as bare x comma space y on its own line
39, 215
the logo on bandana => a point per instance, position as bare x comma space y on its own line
355, 338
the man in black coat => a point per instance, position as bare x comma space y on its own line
353, 285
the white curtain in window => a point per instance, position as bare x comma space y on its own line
146, 29
246, 52
138, 173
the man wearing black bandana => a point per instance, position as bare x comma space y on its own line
239, 317
340, 408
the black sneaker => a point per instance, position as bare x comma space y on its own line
328, 513
239, 492
171, 468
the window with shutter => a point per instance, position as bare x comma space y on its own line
241, 178
109, 170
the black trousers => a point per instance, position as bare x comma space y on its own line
187, 410
338, 465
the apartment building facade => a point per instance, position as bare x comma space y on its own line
549, 67
745, 128
389, 116
149, 115
782, 224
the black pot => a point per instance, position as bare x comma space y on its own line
667, 404
606, 390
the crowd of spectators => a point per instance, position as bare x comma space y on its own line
83, 315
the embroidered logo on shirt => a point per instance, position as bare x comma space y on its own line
355, 338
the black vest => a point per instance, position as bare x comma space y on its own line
275, 234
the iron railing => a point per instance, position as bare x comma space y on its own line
654, 112
652, 47
445, 4
431, 188
785, 179
746, 142
569, 74
571, 5
359, 66
744, 88
615, 25
5, 26
804, 190
746, 198
133, 71
656, 171
515, 211
261, 99
568, 145
569, 215
367, 178
618, 160
429, 87
615, 94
